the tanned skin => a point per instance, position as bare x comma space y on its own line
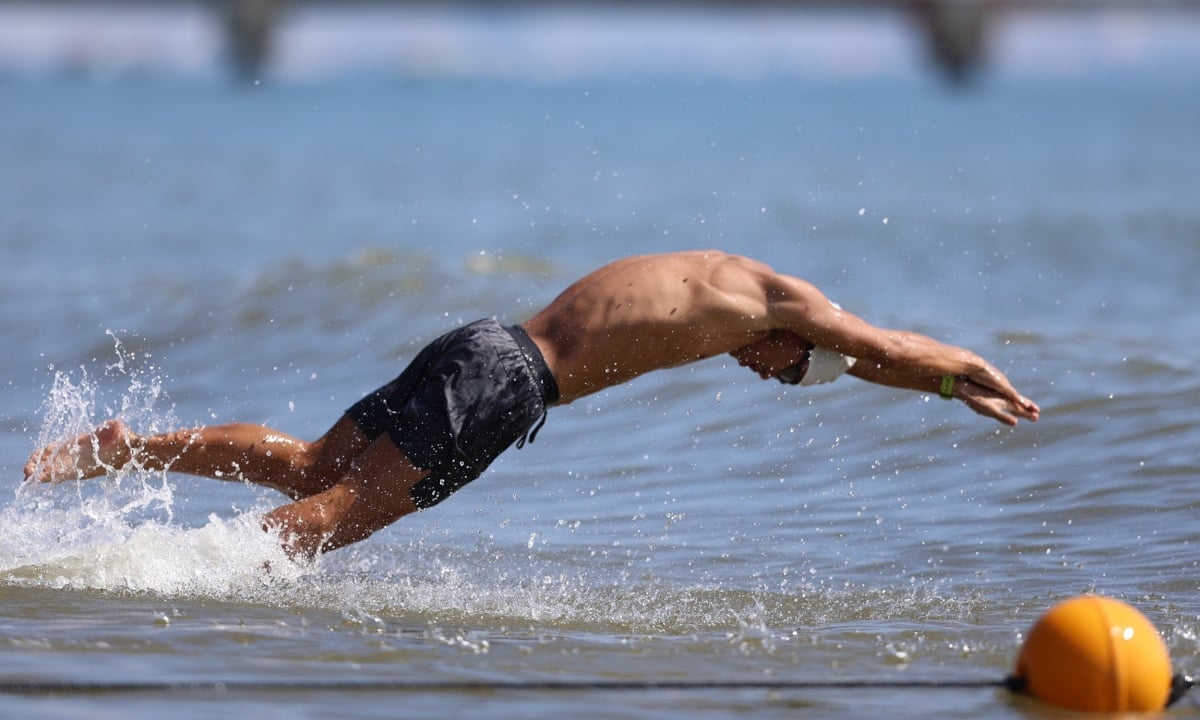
626, 319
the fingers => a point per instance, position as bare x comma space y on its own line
1028, 409
992, 380
993, 408
1021, 406
997, 405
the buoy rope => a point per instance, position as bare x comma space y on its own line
417, 686
1180, 685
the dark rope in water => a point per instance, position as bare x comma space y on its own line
108, 688
1180, 685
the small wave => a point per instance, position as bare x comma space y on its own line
367, 290
73, 542
74, 549
490, 587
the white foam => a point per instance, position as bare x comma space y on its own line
67, 548
119, 533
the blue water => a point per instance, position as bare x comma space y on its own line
188, 250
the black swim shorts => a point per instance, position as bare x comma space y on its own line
462, 401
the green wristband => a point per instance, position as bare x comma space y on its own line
947, 389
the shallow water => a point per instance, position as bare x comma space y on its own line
188, 251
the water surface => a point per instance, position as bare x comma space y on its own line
188, 251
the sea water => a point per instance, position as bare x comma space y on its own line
187, 250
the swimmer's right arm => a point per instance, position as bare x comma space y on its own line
907, 357
897, 358
1005, 408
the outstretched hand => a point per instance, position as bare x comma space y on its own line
991, 395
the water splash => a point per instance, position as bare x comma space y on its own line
122, 534
72, 406
75, 406
119, 532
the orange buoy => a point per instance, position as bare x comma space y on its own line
1098, 654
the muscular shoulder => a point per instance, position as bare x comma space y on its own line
714, 266
741, 276
699, 280
739, 268
783, 297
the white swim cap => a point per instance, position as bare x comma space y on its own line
826, 366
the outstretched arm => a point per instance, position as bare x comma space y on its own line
896, 358
982, 399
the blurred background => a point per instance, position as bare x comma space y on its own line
306, 40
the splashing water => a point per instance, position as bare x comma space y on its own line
118, 533
71, 411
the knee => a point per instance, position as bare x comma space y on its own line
306, 526
336, 517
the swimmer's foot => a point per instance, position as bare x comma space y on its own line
87, 456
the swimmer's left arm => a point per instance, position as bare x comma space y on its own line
980, 398
897, 358
799, 307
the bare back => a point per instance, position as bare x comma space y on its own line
651, 312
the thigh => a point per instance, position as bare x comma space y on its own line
372, 494
331, 456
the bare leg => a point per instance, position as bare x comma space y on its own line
348, 486
373, 494
236, 451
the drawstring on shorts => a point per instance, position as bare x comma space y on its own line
532, 434
541, 371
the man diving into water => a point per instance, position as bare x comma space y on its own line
475, 391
